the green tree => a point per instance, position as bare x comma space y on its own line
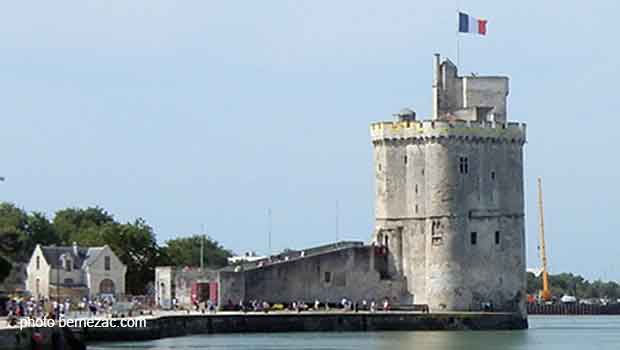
185, 251
13, 232
41, 231
534, 284
71, 223
136, 246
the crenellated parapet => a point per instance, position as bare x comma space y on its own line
438, 131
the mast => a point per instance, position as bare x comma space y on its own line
545, 294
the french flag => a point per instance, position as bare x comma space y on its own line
469, 24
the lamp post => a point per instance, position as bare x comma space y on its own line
58, 279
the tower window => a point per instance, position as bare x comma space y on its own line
497, 240
106, 263
405, 159
492, 175
463, 165
474, 238
416, 208
416, 188
328, 277
38, 262
379, 167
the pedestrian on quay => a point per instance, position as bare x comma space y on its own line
386, 305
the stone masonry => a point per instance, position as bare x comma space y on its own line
449, 196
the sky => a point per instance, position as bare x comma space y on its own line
191, 113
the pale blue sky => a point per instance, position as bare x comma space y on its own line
209, 112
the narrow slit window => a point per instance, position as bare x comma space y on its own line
474, 238
463, 165
328, 277
405, 159
497, 237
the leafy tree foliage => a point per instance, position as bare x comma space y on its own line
185, 251
72, 222
575, 285
133, 242
13, 231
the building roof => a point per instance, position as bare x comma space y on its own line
84, 256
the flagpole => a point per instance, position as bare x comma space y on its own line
458, 37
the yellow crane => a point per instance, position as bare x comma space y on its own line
545, 293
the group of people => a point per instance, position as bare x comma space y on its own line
54, 309
299, 306
33, 308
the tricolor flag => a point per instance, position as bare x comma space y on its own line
469, 24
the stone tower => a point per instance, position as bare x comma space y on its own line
449, 196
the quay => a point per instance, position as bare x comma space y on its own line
176, 325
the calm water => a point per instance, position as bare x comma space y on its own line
545, 333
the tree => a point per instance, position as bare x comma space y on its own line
136, 246
185, 251
72, 222
41, 231
13, 232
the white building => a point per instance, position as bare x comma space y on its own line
75, 272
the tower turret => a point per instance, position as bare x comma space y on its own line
449, 196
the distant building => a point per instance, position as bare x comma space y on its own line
186, 284
247, 257
73, 271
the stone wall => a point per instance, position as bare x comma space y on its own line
42, 274
177, 282
352, 273
96, 273
450, 199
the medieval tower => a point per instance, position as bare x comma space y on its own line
449, 196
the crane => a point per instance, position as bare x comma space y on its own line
545, 293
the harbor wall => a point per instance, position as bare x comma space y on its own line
182, 325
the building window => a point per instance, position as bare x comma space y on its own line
436, 235
474, 238
497, 240
416, 188
386, 240
68, 281
328, 277
416, 208
379, 167
422, 171
463, 165
492, 175
106, 263
405, 159
38, 262
68, 265
437, 240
